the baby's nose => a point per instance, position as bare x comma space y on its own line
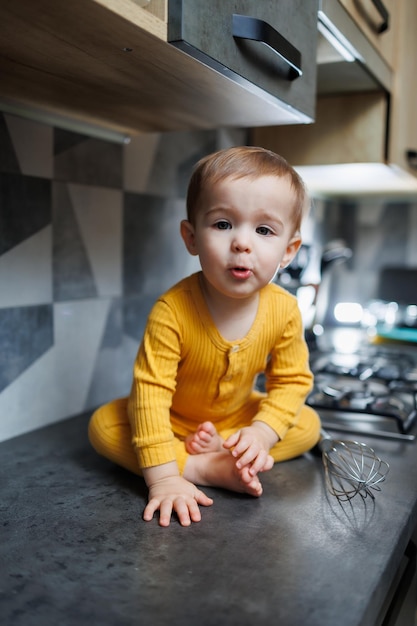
242, 241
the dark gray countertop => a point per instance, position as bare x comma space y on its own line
74, 549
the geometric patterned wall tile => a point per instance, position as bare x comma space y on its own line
112, 375
79, 327
31, 400
82, 159
26, 272
8, 158
72, 275
154, 255
25, 334
65, 141
113, 330
25, 208
138, 160
99, 216
141, 213
56, 385
135, 313
33, 146
176, 155
113, 367
161, 163
186, 165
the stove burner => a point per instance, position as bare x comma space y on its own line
380, 364
351, 392
374, 384
348, 392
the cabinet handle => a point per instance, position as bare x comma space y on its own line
380, 7
244, 27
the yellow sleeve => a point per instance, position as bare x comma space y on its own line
154, 381
288, 377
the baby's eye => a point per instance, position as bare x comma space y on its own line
222, 225
264, 230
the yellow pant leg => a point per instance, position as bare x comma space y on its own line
300, 438
111, 436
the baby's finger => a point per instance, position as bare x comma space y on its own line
269, 463
245, 446
202, 499
232, 440
180, 507
194, 510
165, 512
259, 463
247, 457
151, 507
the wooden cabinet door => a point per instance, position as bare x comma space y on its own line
403, 119
378, 20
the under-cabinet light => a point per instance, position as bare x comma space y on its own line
73, 125
336, 39
346, 180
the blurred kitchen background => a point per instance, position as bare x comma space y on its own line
89, 237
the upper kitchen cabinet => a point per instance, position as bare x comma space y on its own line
130, 66
377, 20
266, 45
351, 58
403, 122
364, 139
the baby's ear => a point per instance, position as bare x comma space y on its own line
188, 235
292, 249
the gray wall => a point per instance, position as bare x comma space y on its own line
89, 237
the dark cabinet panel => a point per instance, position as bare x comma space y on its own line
268, 45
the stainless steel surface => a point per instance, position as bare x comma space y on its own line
362, 430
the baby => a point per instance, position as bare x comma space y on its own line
194, 416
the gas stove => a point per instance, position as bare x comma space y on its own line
372, 391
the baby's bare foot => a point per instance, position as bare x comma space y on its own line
205, 439
218, 469
250, 484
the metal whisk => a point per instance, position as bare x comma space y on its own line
351, 468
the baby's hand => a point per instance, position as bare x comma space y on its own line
251, 445
175, 494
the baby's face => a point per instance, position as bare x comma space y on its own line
244, 232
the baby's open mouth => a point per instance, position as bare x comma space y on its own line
241, 272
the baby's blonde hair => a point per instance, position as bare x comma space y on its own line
245, 162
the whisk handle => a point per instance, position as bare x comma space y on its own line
326, 443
